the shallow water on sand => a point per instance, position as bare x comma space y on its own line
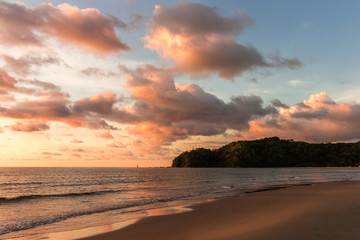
67, 203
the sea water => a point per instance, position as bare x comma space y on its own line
67, 203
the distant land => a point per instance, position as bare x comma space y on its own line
273, 152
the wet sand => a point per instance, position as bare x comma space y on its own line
320, 211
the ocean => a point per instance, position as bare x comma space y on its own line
69, 203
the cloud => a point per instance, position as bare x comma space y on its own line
88, 29
160, 100
160, 111
40, 109
317, 119
45, 101
295, 82
98, 72
116, 145
278, 103
126, 153
77, 141
45, 90
38, 100
201, 41
50, 154
23, 66
99, 124
101, 103
106, 135
6, 81
170, 111
29, 126
78, 150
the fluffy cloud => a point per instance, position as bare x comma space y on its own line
202, 41
88, 29
41, 101
170, 111
44, 101
317, 119
101, 103
23, 65
38, 109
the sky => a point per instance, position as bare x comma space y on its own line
120, 83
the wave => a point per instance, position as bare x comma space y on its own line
20, 183
39, 196
278, 187
28, 224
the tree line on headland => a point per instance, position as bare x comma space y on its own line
273, 152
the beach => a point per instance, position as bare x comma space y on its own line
318, 211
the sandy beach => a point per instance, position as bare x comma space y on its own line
320, 211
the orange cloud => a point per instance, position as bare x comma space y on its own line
202, 41
106, 135
88, 29
117, 145
29, 126
317, 119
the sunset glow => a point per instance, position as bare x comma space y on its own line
127, 83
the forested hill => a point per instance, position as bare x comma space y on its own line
273, 152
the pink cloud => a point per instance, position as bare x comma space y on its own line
43, 101
23, 65
161, 101
88, 29
317, 119
201, 41
6, 81
169, 111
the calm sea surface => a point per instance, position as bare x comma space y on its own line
67, 203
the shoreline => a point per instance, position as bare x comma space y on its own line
328, 210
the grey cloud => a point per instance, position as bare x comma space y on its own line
311, 114
291, 63
37, 109
29, 126
278, 103
196, 18
100, 124
93, 71
101, 103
